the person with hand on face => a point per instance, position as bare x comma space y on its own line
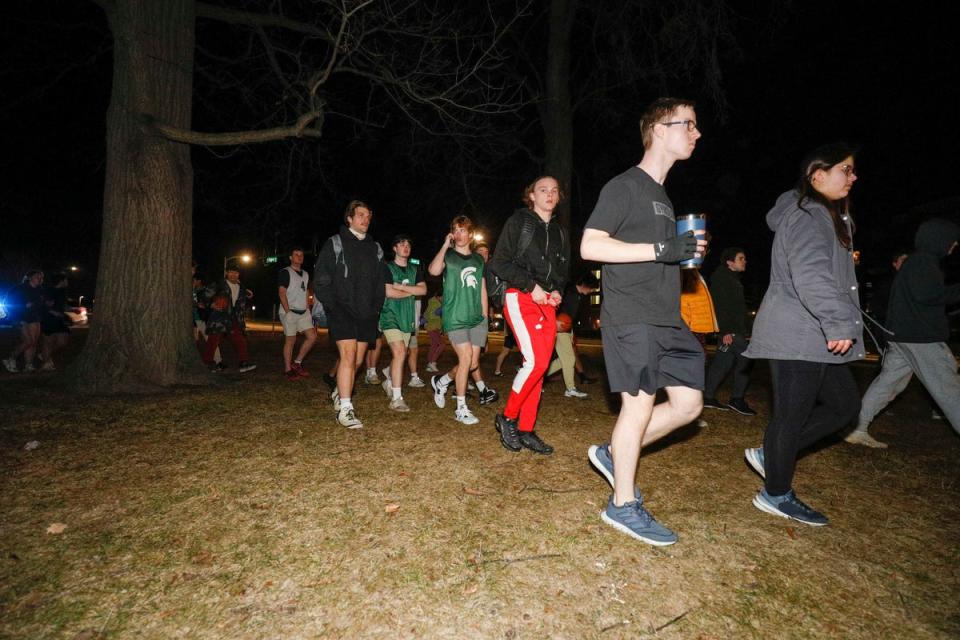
464, 316
532, 257
808, 326
294, 316
646, 345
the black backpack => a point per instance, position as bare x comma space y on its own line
496, 292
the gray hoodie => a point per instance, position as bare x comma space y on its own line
812, 297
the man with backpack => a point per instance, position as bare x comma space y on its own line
350, 280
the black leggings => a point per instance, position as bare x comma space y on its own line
810, 401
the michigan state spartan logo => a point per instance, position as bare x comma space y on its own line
468, 277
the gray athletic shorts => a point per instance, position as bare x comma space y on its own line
648, 357
477, 335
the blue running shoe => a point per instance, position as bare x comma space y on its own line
634, 520
755, 460
789, 506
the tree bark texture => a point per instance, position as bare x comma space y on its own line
558, 108
140, 335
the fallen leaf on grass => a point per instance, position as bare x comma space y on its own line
791, 533
390, 508
473, 492
470, 589
57, 527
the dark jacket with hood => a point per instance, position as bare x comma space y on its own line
355, 283
918, 298
545, 261
812, 297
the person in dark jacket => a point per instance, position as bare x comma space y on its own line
227, 302
351, 282
808, 326
917, 317
731, 307
26, 302
534, 274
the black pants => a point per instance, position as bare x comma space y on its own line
723, 362
810, 401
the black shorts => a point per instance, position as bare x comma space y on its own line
648, 357
343, 326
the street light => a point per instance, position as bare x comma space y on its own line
74, 267
245, 258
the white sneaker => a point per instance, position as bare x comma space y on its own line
416, 381
372, 378
387, 388
465, 416
864, 438
397, 404
48, 366
574, 393
335, 397
432, 367
439, 392
348, 419
10, 365
27, 368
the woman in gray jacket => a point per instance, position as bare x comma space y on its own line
808, 325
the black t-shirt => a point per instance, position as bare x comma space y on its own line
634, 208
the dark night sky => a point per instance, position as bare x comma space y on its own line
886, 81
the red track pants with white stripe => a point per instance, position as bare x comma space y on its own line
535, 328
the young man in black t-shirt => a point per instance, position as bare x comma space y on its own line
646, 345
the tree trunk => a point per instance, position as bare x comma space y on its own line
140, 334
558, 108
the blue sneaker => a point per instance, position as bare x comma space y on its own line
602, 461
789, 506
634, 520
755, 460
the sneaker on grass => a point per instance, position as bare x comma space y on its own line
290, 374
335, 398
371, 378
465, 416
439, 392
416, 381
754, 458
246, 366
574, 393
10, 364
303, 373
634, 520
432, 367
865, 439
347, 418
530, 440
397, 404
48, 366
713, 403
740, 406
28, 367
509, 432
387, 388
488, 395
789, 506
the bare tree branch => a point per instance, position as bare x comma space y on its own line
302, 129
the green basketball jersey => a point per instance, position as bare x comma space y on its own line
462, 281
398, 313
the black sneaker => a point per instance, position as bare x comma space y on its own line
740, 406
330, 381
532, 441
509, 435
711, 403
488, 395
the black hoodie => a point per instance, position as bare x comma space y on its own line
545, 262
918, 298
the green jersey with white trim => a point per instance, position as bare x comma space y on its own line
462, 281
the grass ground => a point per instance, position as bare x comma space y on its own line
243, 511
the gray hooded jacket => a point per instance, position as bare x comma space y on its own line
812, 297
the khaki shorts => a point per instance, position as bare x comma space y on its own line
294, 323
395, 335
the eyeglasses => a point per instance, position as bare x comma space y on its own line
848, 170
691, 125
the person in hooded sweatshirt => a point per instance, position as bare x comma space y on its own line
916, 315
533, 259
808, 326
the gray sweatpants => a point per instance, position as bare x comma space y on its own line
935, 367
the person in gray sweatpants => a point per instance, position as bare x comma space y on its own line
917, 317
